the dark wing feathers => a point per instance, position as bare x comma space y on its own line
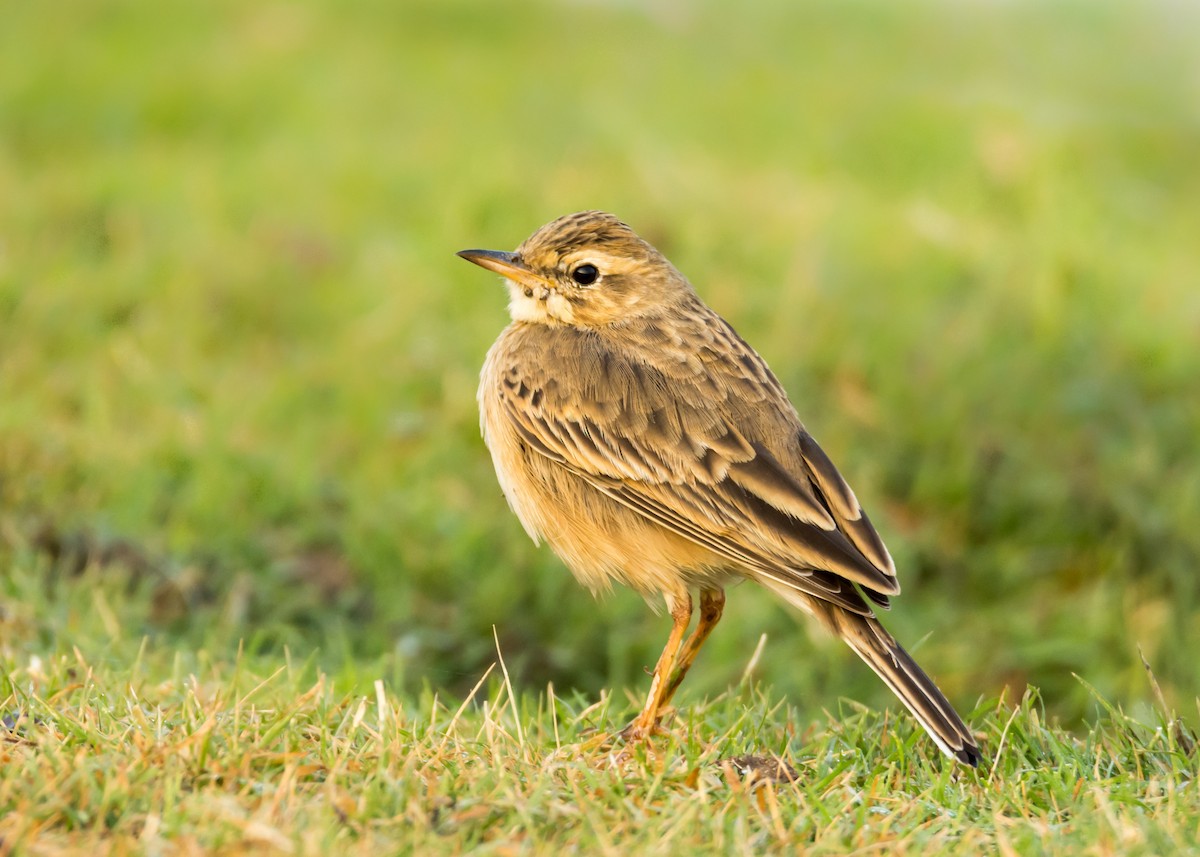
821, 584
850, 517
762, 478
698, 450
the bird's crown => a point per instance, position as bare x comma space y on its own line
586, 269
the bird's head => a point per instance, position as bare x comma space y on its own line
587, 270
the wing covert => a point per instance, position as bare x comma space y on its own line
699, 476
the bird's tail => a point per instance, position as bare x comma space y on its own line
909, 682
896, 667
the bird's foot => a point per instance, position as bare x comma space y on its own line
643, 729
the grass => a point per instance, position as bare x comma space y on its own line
238, 431
143, 748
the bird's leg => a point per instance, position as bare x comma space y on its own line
712, 603
644, 724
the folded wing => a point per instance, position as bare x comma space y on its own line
701, 475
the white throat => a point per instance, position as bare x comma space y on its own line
542, 306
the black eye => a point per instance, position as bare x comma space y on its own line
585, 274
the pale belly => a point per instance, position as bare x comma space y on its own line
599, 539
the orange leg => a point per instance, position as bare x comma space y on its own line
644, 724
712, 603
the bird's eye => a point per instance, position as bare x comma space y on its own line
585, 274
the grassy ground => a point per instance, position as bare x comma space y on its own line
141, 748
238, 431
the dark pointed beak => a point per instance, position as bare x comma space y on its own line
508, 265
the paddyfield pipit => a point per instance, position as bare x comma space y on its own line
638, 434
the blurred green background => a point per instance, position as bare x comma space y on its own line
238, 356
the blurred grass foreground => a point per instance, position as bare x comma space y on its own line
238, 356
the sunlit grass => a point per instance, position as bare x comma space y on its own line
243, 754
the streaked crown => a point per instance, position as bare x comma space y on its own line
586, 269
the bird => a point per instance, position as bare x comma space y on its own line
634, 431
